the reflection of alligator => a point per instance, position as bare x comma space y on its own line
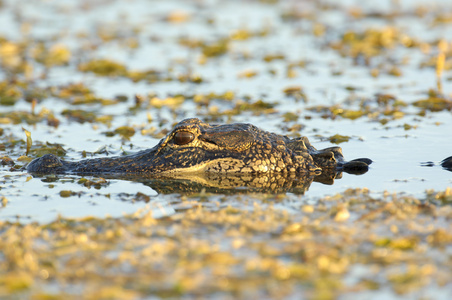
193, 147
227, 183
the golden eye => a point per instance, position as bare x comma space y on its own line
183, 137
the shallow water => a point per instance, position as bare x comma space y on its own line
396, 152
149, 35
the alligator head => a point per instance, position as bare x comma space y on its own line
194, 146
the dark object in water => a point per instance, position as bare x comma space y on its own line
194, 146
447, 163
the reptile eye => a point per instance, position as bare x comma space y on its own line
183, 137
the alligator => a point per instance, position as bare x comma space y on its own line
193, 146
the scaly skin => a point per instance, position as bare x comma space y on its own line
193, 146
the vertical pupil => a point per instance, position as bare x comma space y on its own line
183, 137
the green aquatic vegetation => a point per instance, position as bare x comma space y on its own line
190, 42
4, 201
34, 93
109, 133
97, 183
371, 42
257, 107
248, 73
205, 99
245, 34
40, 149
290, 117
67, 193
6, 161
9, 93
409, 127
338, 110
111, 32
79, 115
208, 49
79, 93
17, 117
91, 99
16, 282
55, 55
440, 238
337, 139
271, 57
146, 75
82, 116
170, 102
442, 18
388, 99
72, 90
434, 103
432, 62
296, 92
105, 119
109, 68
412, 279
125, 131
104, 67
12, 145
383, 108
238, 249
14, 58
444, 198
216, 48
194, 78
348, 113
395, 71
28, 141
296, 15
404, 243
240, 35
178, 16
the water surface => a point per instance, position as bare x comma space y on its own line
229, 61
